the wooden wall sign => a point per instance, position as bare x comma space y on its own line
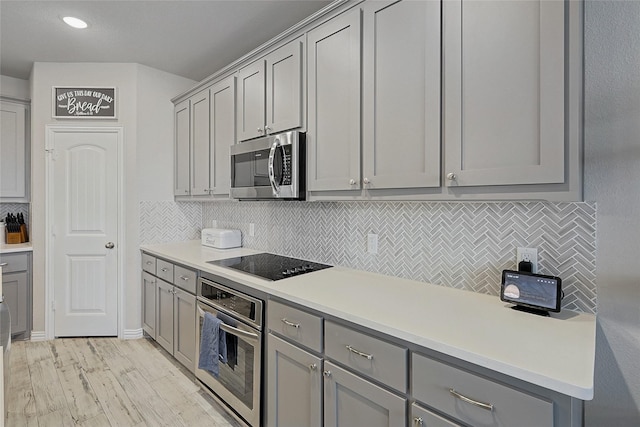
84, 102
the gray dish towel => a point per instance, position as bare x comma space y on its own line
212, 345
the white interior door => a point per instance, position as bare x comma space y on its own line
84, 247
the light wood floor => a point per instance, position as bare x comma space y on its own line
104, 382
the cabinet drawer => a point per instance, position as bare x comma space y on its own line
370, 356
434, 383
164, 270
14, 262
421, 417
149, 263
185, 278
297, 325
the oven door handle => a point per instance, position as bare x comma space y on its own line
246, 336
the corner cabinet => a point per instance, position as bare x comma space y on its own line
505, 96
270, 93
14, 142
204, 131
182, 137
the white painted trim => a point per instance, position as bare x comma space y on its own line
38, 336
50, 130
132, 334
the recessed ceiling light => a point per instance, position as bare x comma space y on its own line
74, 22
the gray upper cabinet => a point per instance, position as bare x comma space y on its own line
200, 143
223, 133
504, 109
401, 98
13, 151
333, 131
182, 131
270, 93
251, 101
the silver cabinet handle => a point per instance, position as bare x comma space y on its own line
313, 367
186, 191
4, 264
288, 323
418, 421
326, 374
260, 130
267, 129
148, 263
487, 406
359, 353
366, 181
109, 245
352, 182
451, 176
185, 278
164, 270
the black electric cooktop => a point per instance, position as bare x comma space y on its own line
270, 266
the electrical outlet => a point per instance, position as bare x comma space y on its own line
252, 229
528, 254
372, 243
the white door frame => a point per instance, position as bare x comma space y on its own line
51, 130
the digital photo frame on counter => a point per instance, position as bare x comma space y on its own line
530, 292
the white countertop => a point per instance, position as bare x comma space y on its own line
556, 352
16, 247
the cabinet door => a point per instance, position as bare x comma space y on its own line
504, 96
295, 386
14, 288
223, 133
182, 134
184, 340
421, 417
401, 99
333, 136
200, 141
251, 101
350, 401
13, 144
164, 315
284, 87
149, 289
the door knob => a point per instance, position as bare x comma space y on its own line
109, 245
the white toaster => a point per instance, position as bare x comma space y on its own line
220, 238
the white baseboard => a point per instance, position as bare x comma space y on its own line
132, 334
38, 336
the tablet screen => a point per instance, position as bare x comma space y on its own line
531, 290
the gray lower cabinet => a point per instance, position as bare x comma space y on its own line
423, 417
16, 287
149, 292
475, 400
169, 307
294, 398
351, 401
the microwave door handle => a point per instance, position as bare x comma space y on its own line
244, 335
272, 174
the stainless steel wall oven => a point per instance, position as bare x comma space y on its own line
239, 381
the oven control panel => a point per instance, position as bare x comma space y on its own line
235, 302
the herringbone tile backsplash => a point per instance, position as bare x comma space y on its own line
462, 245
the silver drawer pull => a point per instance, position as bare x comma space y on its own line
487, 406
359, 353
149, 263
313, 367
4, 264
326, 374
185, 278
418, 421
288, 323
164, 270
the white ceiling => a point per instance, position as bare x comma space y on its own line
192, 39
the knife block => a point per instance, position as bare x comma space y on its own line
14, 238
24, 235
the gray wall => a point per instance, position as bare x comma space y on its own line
612, 179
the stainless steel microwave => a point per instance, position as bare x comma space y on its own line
272, 167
